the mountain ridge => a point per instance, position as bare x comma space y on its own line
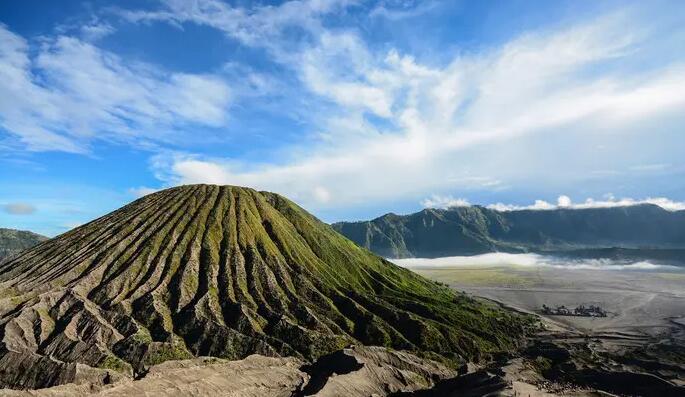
476, 230
13, 241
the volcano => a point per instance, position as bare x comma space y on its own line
223, 271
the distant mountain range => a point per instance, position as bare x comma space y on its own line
14, 241
632, 232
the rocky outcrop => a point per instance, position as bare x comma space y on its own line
653, 370
368, 371
225, 272
255, 376
476, 384
358, 371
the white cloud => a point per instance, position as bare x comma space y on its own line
196, 98
438, 201
538, 205
564, 202
64, 93
90, 29
339, 68
322, 194
19, 208
536, 84
609, 202
403, 10
257, 25
95, 31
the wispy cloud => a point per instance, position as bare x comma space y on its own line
63, 93
255, 25
19, 208
536, 84
650, 167
403, 10
96, 31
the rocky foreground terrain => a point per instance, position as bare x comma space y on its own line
353, 372
555, 362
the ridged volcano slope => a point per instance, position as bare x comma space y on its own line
219, 271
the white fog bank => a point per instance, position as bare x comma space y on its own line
530, 260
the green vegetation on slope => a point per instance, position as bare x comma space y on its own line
225, 271
14, 241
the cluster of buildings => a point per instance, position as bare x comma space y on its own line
582, 311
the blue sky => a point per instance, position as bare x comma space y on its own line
351, 108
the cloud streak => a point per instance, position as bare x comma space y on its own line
71, 93
256, 25
19, 208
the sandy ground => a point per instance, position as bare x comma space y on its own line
639, 302
645, 307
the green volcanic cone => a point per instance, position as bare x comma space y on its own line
220, 271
